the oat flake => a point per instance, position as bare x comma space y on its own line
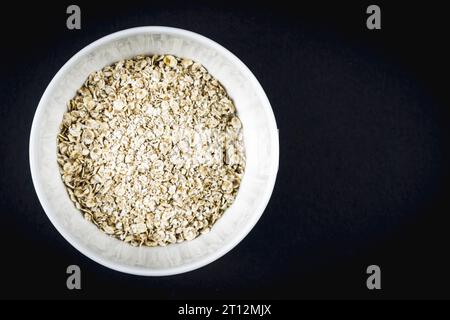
151, 150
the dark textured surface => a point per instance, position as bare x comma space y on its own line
364, 162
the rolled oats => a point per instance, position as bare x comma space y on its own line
151, 150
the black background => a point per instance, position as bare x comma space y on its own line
364, 149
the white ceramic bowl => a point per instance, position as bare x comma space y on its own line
260, 138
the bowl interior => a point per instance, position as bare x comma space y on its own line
260, 137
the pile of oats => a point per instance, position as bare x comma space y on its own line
151, 150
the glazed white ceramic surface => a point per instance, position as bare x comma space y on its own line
260, 137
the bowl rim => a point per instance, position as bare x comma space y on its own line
138, 270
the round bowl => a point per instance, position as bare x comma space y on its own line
260, 138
